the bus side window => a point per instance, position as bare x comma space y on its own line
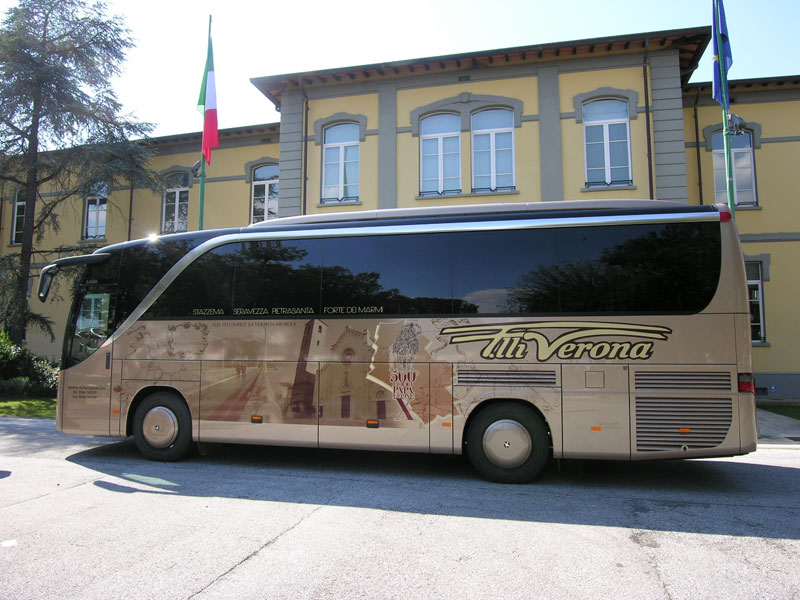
276, 276
511, 273
657, 268
390, 275
203, 289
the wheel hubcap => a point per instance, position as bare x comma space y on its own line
160, 427
507, 443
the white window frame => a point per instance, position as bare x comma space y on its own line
606, 123
17, 231
720, 182
270, 202
492, 133
342, 146
179, 195
440, 154
92, 229
757, 286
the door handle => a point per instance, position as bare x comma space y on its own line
108, 360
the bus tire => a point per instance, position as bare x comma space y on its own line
162, 427
508, 443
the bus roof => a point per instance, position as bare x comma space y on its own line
435, 212
566, 208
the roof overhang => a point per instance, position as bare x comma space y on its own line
760, 83
229, 133
690, 43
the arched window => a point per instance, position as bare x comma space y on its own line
264, 194
340, 163
440, 155
175, 213
606, 132
94, 214
493, 150
744, 177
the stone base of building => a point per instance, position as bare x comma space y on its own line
777, 385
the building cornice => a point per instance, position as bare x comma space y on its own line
690, 43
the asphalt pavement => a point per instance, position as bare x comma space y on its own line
88, 517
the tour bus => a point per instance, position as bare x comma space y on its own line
513, 333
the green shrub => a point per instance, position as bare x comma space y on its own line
23, 373
46, 375
10, 355
22, 387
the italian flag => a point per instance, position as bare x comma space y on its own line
207, 103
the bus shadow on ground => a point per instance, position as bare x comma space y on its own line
719, 496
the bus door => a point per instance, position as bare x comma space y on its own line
596, 411
86, 397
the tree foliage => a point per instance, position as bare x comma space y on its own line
62, 130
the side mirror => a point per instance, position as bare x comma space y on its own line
46, 281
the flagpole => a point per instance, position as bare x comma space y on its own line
726, 132
203, 165
202, 191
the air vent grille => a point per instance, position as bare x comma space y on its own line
683, 380
681, 423
505, 378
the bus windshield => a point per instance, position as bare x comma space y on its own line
91, 320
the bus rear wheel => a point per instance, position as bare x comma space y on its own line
508, 443
162, 427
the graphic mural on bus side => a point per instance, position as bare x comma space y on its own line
344, 372
296, 372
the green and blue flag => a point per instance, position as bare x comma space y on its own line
723, 59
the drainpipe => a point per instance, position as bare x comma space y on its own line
305, 148
647, 119
130, 211
697, 145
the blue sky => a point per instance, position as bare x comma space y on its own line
252, 39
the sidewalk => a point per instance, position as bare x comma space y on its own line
777, 429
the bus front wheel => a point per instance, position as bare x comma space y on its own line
508, 443
162, 427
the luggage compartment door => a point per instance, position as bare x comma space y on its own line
596, 411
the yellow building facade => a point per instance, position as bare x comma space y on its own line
590, 119
766, 181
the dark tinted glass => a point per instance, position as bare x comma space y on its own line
659, 268
278, 278
404, 274
105, 272
489, 266
142, 268
626, 268
203, 289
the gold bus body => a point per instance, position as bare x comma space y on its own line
622, 387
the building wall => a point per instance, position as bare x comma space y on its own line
770, 231
227, 204
548, 132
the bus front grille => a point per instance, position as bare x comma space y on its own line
683, 380
681, 423
506, 378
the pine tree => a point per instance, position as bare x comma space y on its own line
61, 126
